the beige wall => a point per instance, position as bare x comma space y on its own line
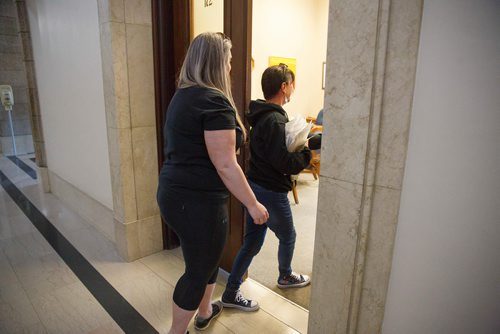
446, 269
292, 29
65, 37
209, 18
94, 64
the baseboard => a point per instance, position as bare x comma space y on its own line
100, 216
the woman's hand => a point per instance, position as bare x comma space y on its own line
259, 213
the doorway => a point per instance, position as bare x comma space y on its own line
172, 33
177, 22
293, 32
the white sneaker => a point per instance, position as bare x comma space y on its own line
293, 280
236, 300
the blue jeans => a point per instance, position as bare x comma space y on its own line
280, 222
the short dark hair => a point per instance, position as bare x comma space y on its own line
273, 77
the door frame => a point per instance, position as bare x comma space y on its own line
171, 38
171, 31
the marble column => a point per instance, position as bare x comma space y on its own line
371, 63
32, 101
127, 58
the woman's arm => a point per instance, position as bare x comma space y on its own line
220, 146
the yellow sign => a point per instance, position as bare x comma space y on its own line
290, 62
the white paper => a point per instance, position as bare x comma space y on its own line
296, 131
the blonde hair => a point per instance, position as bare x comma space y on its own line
205, 65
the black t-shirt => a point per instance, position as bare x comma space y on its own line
191, 112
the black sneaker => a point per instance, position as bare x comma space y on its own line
293, 280
236, 300
202, 324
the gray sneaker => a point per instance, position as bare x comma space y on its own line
236, 300
293, 280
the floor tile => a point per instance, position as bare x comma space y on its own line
253, 322
151, 297
170, 268
70, 309
14, 225
281, 308
44, 274
8, 275
16, 312
109, 328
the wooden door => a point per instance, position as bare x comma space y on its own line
238, 27
171, 34
170, 20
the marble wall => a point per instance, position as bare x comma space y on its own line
32, 91
371, 61
16, 69
127, 57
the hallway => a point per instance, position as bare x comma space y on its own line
87, 287
407, 221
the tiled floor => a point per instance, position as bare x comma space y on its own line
39, 293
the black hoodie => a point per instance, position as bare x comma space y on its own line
270, 162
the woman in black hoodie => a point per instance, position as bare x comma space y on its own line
271, 166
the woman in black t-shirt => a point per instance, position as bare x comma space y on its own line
202, 134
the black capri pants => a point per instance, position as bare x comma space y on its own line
200, 220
